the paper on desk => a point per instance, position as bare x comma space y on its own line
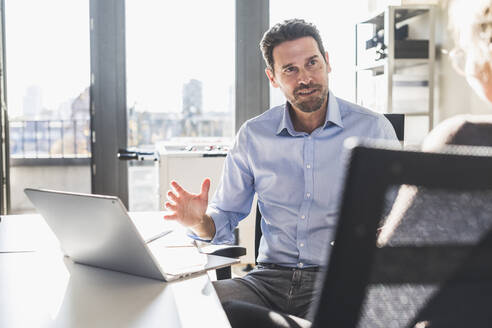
175, 260
149, 224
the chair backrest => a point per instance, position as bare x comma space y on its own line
428, 262
398, 122
258, 232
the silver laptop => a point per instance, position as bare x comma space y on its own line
97, 230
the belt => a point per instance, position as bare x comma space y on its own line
286, 268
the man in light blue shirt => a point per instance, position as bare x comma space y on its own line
291, 156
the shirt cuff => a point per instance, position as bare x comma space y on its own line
192, 235
223, 232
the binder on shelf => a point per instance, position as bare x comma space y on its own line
411, 49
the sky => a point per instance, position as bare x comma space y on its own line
47, 44
168, 43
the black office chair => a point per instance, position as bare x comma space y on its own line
427, 264
398, 122
232, 251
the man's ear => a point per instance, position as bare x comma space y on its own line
271, 77
327, 58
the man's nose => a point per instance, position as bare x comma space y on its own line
304, 77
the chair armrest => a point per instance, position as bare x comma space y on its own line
224, 250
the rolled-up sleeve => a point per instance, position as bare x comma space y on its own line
234, 195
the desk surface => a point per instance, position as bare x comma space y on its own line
42, 288
24, 233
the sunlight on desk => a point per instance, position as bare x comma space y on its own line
48, 288
25, 233
43, 288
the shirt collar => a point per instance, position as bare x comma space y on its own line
333, 111
332, 116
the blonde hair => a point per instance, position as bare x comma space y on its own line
471, 23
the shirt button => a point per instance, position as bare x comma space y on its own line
301, 244
308, 195
332, 243
303, 217
308, 166
301, 264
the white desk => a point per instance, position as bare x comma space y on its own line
42, 288
25, 233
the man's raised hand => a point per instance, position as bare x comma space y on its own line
187, 208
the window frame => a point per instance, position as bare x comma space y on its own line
108, 108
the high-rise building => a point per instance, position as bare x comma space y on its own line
192, 98
32, 102
80, 106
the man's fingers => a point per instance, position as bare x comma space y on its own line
205, 187
170, 217
172, 196
178, 188
170, 206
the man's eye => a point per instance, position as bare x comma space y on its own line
312, 62
289, 69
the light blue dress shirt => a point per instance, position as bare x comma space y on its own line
298, 178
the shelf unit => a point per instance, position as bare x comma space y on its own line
403, 80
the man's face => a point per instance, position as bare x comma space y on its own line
301, 73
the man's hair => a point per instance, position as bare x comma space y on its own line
288, 30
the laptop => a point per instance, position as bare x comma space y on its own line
96, 230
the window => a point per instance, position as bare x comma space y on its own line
180, 81
180, 70
48, 71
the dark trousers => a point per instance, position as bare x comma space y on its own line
286, 292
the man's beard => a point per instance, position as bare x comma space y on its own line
314, 103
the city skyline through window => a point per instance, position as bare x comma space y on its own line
180, 70
47, 50
47, 55
47, 77
180, 81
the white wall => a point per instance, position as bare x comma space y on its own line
76, 178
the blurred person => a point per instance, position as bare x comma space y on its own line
471, 24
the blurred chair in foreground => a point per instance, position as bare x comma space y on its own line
427, 264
